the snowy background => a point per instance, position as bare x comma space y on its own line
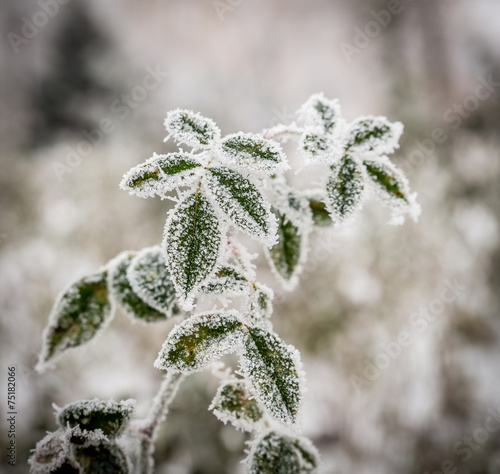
78, 80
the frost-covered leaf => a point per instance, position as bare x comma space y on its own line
104, 458
373, 134
108, 416
288, 254
318, 111
192, 243
280, 453
254, 154
235, 403
134, 306
320, 215
226, 281
50, 453
199, 340
79, 313
291, 202
344, 189
161, 174
151, 281
259, 306
242, 202
319, 148
274, 371
191, 128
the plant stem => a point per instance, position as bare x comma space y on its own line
157, 414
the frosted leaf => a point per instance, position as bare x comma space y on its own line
373, 134
191, 128
79, 313
50, 453
240, 199
192, 246
235, 403
318, 111
289, 254
104, 458
151, 281
280, 453
291, 202
259, 306
274, 372
227, 281
134, 306
320, 215
198, 341
345, 189
161, 174
107, 416
392, 187
253, 153
319, 148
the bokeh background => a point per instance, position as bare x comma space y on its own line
432, 64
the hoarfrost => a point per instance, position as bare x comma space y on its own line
371, 134
191, 128
50, 452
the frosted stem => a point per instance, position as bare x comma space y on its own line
157, 415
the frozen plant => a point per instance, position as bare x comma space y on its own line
222, 185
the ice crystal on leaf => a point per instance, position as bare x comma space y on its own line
320, 215
192, 246
253, 154
50, 453
318, 111
151, 281
107, 416
259, 306
198, 341
79, 313
235, 403
275, 373
279, 453
373, 135
240, 199
190, 128
121, 289
161, 174
228, 281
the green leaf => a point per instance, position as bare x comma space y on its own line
345, 189
104, 458
259, 306
199, 341
387, 178
134, 306
79, 313
50, 453
287, 255
226, 281
253, 153
161, 174
90, 415
190, 128
319, 111
151, 281
321, 217
242, 202
235, 403
192, 243
278, 453
373, 134
318, 148
273, 369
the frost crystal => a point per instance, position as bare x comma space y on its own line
318, 111
279, 453
258, 307
79, 313
345, 189
240, 199
253, 153
275, 373
106, 416
235, 403
190, 128
161, 174
319, 148
192, 246
123, 293
228, 281
151, 281
50, 453
198, 341
373, 135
